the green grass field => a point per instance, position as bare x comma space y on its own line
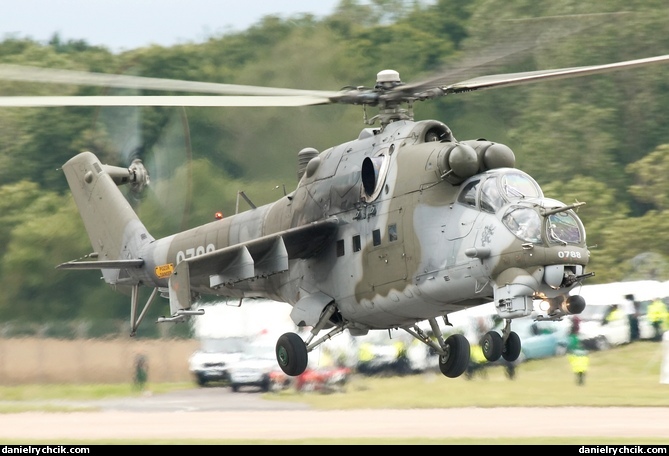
623, 376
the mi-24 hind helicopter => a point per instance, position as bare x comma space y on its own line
402, 225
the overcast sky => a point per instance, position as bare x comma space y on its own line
129, 24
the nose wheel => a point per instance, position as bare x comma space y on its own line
495, 346
512, 346
492, 346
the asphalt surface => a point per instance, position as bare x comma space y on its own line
217, 413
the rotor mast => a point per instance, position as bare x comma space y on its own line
390, 108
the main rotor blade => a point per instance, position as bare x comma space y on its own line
72, 77
511, 79
138, 100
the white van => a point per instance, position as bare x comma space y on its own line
599, 298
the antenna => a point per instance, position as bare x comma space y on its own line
246, 198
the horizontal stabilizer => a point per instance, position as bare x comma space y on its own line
110, 264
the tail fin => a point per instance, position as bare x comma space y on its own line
114, 229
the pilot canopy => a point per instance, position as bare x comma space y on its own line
524, 207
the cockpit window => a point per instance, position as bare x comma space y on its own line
519, 186
524, 223
563, 228
491, 199
468, 194
498, 189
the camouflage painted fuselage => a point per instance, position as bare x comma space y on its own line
397, 226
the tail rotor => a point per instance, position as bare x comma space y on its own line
150, 149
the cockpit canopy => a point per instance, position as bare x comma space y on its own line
525, 207
497, 188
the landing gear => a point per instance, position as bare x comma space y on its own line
455, 359
512, 347
495, 345
454, 352
492, 346
291, 353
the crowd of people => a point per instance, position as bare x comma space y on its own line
657, 315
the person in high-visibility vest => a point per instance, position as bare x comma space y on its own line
658, 317
613, 314
365, 358
477, 361
577, 355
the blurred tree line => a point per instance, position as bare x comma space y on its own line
600, 139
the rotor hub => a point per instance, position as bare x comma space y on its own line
387, 79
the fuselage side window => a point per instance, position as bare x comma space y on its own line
340, 247
392, 232
376, 237
356, 243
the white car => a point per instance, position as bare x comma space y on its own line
211, 362
597, 335
257, 367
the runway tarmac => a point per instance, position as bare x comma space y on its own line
216, 413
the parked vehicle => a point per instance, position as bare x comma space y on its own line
323, 379
211, 361
379, 354
257, 367
541, 339
599, 334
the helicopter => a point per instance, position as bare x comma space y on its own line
402, 225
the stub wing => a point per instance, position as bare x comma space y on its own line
266, 255
249, 260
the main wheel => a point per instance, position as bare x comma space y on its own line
492, 346
291, 353
511, 350
456, 359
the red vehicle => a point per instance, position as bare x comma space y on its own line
324, 379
